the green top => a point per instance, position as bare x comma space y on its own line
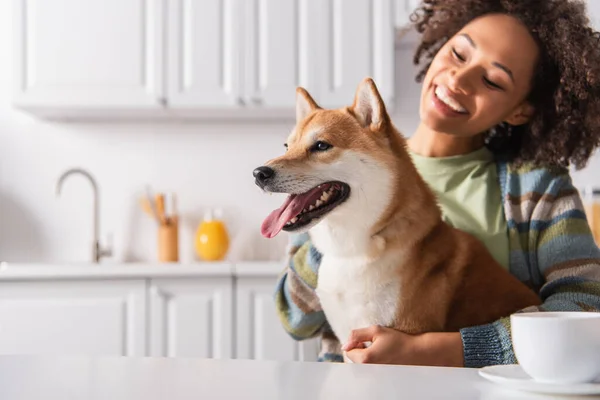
469, 195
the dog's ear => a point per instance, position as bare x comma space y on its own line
368, 106
304, 104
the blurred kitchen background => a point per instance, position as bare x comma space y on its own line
182, 97
114, 57
185, 96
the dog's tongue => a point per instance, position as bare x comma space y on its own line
292, 206
273, 224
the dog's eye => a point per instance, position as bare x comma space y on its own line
285, 145
320, 146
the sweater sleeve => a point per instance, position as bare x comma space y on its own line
296, 302
562, 256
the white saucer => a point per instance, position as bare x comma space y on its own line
513, 376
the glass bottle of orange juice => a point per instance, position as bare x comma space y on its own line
212, 239
591, 200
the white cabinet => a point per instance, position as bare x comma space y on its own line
356, 40
208, 311
279, 51
260, 335
238, 53
196, 58
97, 317
85, 54
191, 317
204, 48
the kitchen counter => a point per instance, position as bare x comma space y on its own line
16, 271
36, 377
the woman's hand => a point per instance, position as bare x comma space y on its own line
390, 346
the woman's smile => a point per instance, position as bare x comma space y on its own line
446, 103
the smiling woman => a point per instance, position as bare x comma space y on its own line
477, 80
529, 72
510, 100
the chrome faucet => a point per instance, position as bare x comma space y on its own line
97, 251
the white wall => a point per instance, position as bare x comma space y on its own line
207, 165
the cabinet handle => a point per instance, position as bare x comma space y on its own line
241, 101
163, 101
257, 101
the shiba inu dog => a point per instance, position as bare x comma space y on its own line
388, 257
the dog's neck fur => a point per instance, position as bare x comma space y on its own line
379, 213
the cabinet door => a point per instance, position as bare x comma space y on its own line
74, 317
191, 317
204, 53
260, 335
356, 41
279, 51
84, 54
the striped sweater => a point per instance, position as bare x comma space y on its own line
552, 250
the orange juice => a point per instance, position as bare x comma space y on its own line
212, 239
591, 200
593, 215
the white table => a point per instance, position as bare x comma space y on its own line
65, 378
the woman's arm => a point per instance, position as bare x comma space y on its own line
560, 248
296, 302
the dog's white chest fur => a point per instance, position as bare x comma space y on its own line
356, 293
358, 284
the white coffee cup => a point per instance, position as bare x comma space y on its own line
557, 347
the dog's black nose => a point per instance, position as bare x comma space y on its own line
263, 174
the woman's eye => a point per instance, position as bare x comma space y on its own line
457, 55
321, 146
492, 84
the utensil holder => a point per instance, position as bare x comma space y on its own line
168, 241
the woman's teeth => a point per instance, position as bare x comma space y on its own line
442, 94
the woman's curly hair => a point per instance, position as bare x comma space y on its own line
565, 128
